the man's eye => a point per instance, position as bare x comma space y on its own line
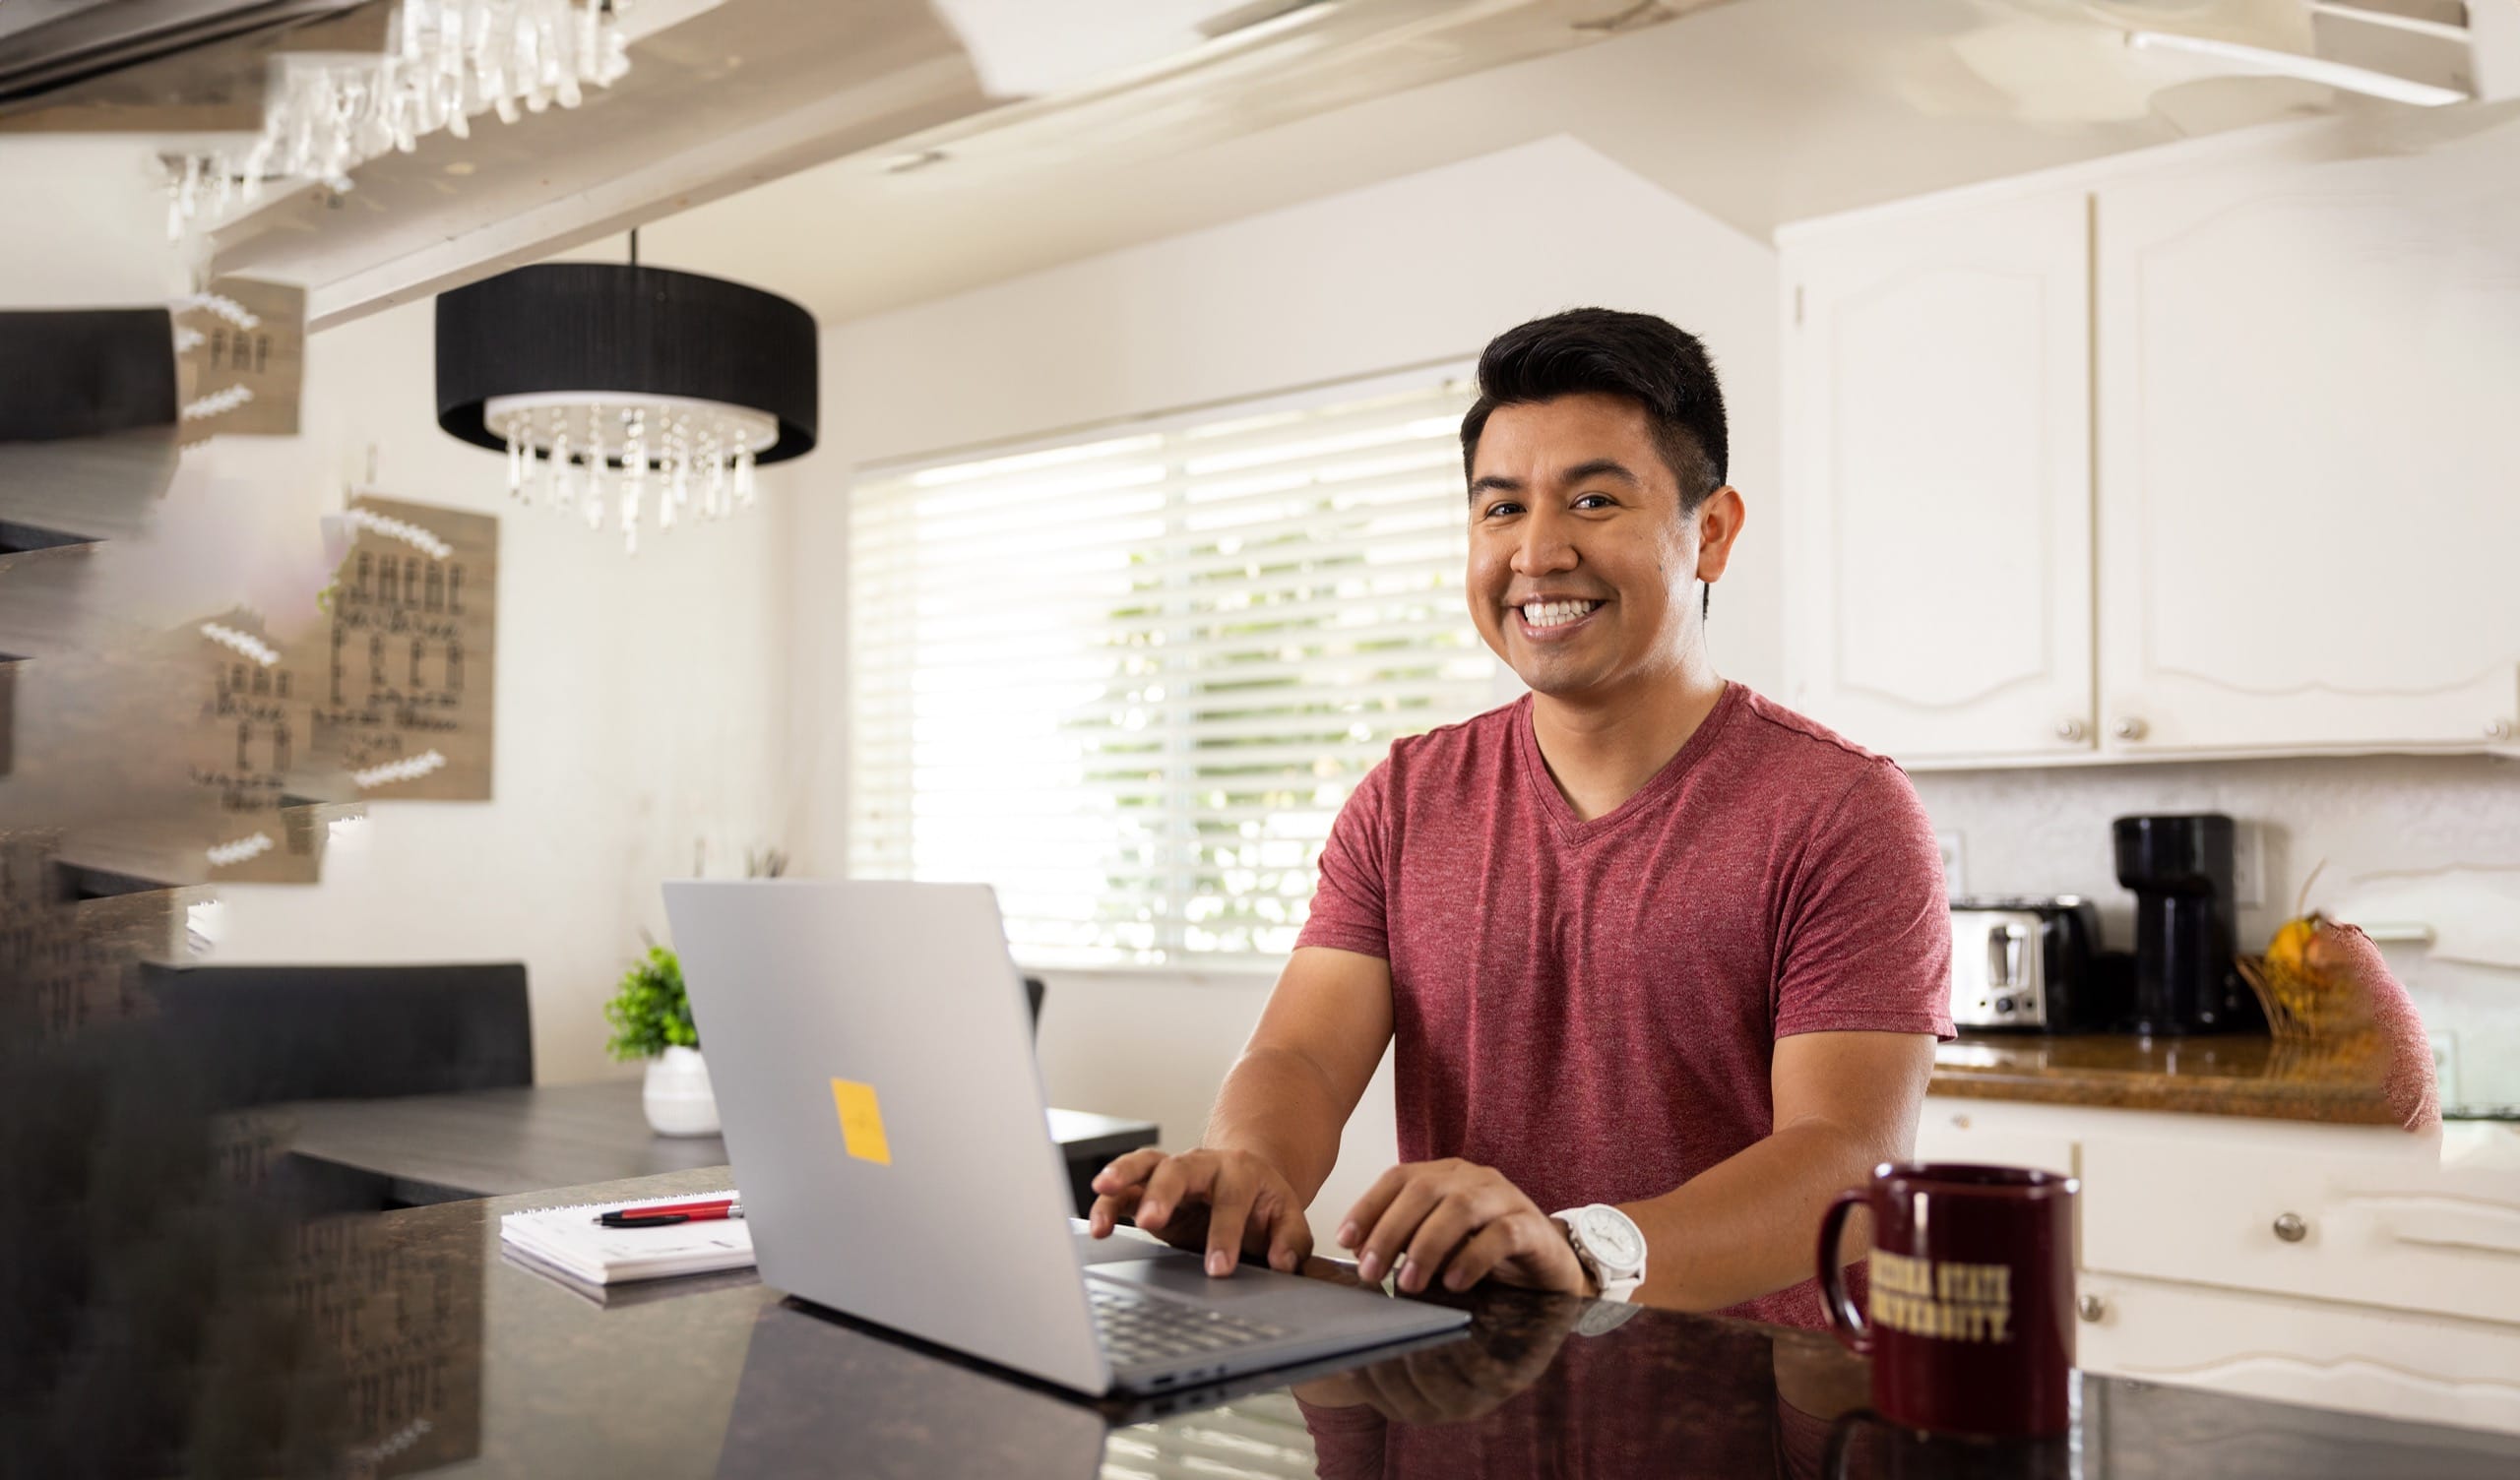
1595, 501
1500, 508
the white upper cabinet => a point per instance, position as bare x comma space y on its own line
1938, 475
2309, 456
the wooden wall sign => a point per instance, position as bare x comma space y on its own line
403, 690
256, 728
241, 358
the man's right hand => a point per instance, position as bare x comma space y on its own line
1226, 1203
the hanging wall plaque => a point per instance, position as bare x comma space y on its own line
241, 357
401, 690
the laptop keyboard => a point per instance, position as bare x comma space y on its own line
1136, 1328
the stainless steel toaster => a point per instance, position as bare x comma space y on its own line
2025, 961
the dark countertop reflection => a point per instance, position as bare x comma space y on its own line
462, 1362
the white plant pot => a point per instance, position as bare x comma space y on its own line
677, 1098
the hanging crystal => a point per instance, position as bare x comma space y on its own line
634, 459
562, 484
593, 503
516, 463
743, 470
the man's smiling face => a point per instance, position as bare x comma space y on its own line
1581, 561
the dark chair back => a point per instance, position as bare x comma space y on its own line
262, 1034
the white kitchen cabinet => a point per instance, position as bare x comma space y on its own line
2334, 1215
2427, 1369
2000, 1135
2308, 488
2203, 455
2339, 1266
1939, 479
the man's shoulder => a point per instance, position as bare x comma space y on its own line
1786, 737
1449, 747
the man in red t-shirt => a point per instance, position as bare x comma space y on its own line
1662, 960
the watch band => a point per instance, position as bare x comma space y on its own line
1621, 1287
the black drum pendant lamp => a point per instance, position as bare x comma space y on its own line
627, 395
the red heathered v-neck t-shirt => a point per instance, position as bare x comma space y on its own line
1591, 1008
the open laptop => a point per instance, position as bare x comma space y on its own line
871, 1052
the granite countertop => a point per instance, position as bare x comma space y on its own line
454, 1359
2218, 1075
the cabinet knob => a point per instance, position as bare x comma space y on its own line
2091, 1307
2069, 729
2129, 728
2291, 1229
2497, 729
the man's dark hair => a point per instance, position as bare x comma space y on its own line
1660, 368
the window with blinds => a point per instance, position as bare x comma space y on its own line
1129, 679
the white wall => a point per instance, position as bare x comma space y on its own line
87, 224
1422, 268
638, 704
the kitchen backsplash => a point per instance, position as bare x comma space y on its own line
2406, 839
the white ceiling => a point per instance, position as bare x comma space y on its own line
1759, 112
737, 93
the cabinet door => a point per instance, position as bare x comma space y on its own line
1990, 1132
2309, 488
1938, 475
2361, 1215
2427, 1369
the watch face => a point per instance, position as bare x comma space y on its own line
1615, 1239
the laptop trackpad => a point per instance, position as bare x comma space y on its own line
1184, 1276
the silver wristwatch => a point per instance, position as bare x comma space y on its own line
1609, 1245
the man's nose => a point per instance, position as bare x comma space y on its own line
1545, 547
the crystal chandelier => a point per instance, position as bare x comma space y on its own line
326, 113
630, 457
626, 395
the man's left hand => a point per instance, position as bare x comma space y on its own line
1464, 1221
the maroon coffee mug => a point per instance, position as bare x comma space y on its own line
1972, 1306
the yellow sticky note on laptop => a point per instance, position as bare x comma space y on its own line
862, 1122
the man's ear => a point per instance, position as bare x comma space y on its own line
1718, 524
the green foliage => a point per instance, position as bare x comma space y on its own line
651, 1012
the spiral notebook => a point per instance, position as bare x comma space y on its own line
570, 1240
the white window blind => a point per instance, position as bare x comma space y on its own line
1129, 679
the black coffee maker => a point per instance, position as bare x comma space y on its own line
2186, 925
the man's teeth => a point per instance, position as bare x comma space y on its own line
1555, 613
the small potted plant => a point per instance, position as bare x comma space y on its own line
651, 1018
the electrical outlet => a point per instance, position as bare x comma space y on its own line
1955, 865
2248, 866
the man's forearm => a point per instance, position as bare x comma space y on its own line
1278, 1106
1744, 1227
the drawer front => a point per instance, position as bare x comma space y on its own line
1959, 1129
2423, 1368
2371, 1230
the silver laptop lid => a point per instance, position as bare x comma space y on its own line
872, 1057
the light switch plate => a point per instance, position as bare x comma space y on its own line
1955, 865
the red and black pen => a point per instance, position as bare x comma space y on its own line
664, 1214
